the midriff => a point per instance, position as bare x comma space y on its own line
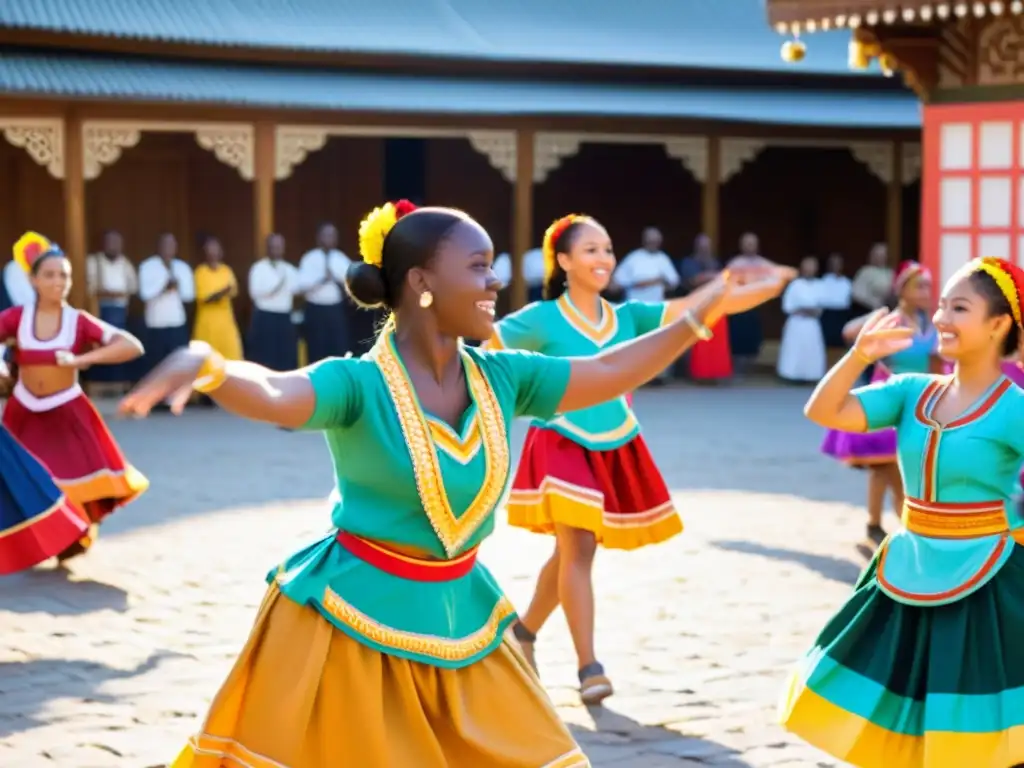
45, 380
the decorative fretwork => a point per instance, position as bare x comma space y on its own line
877, 156
1000, 51
293, 145
231, 144
499, 147
41, 137
102, 145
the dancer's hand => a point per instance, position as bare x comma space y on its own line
884, 333
171, 381
67, 359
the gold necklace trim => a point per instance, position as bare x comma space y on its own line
452, 531
600, 333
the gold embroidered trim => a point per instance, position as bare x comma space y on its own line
601, 333
448, 649
452, 531
628, 426
462, 450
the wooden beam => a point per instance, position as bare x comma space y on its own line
75, 241
894, 208
710, 193
263, 184
522, 215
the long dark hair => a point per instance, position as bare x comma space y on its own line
562, 242
998, 304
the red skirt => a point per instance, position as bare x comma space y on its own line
619, 495
712, 359
74, 444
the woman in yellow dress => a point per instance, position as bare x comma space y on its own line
215, 288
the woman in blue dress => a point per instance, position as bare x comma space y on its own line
922, 667
36, 521
876, 451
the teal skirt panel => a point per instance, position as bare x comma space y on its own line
447, 624
911, 670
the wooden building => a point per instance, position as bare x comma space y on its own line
241, 119
963, 61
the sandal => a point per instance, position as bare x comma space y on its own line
526, 640
595, 686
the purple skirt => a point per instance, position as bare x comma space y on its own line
861, 449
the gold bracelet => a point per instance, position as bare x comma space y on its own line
861, 356
700, 330
212, 374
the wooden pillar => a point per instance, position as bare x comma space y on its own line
522, 214
265, 167
710, 193
75, 242
894, 208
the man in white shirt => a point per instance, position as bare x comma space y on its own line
111, 279
533, 272
15, 288
321, 280
165, 286
872, 285
273, 283
647, 273
835, 293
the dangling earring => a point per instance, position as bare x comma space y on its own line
426, 299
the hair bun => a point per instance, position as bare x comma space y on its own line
366, 286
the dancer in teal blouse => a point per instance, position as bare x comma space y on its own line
923, 667
383, 644
587, 476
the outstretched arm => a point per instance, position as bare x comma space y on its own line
243, 388
626, 366
741, 298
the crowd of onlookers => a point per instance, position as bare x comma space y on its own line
303, 314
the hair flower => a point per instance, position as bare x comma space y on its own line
29, 248
374, 229
551, 235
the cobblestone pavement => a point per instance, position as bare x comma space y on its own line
108, 665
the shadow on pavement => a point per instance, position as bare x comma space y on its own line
614, 733
27, 686
57, 592
834, 568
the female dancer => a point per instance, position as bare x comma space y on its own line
384, 644
49, 413
215, 288
876, 451
36, 521
586, 476
921, 668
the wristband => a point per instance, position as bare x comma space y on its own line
212, 375
700, 330
861, 356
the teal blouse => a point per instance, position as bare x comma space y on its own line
407, 478
557, 328
957, 471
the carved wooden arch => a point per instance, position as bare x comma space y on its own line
552, 149
877, 156
41, 137
103, 141
294, 143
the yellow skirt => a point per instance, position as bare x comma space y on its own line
306, 695
217, 327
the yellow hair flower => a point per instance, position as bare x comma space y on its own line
551, 236
372, 231
30, 247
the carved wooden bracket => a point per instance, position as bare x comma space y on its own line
550, 150
499, 147
41, 137
103, 142
293, 144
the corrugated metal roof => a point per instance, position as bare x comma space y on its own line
289, 88
713, 34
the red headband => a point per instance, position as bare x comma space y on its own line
905, 272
